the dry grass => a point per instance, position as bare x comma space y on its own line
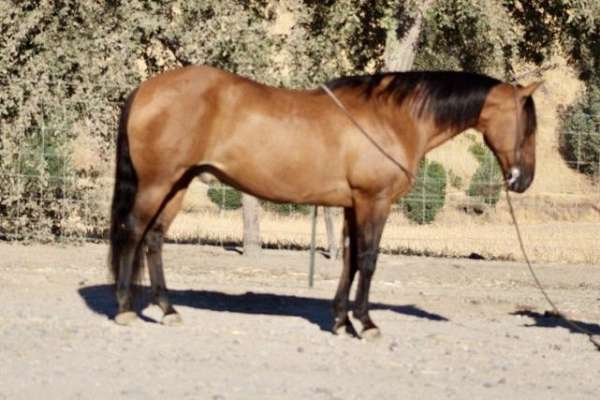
455, 234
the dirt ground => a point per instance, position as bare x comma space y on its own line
253, 330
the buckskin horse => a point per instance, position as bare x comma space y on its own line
341, 148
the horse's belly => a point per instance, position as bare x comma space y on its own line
285, 183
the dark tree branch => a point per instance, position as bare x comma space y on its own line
173, 46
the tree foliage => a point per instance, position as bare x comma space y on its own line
573, 25
467, 35
334, 38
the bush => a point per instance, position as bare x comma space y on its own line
486, 182
286, 208
455, 180
580, 133
225, 198
428, 194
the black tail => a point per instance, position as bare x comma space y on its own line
126, 186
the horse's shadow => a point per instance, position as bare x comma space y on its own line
101, 299
550, 320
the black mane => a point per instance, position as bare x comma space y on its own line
454, 99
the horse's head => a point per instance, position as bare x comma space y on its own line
508, 123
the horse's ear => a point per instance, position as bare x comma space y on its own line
528, 90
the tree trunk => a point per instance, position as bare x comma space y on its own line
400, 53
251, 208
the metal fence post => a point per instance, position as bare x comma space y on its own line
313, 238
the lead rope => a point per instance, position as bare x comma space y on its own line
411, 177
341, 106
539, 285
537, 281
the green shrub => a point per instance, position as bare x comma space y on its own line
428, 194
286, 208
486, 182
225, 198
455, 180
580, 133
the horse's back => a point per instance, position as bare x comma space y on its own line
275, 143
179, 87
170, 106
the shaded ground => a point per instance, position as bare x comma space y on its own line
253, 330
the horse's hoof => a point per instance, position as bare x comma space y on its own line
126, 318
371, 334
173, 319
344, 329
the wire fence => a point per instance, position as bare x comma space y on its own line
56, 185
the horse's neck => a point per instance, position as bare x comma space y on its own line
438, 136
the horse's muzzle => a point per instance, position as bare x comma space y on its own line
517, 181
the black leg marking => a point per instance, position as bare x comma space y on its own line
154, 243
342, 323
371, 218
130, 263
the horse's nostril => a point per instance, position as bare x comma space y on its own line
513, 176
517, 180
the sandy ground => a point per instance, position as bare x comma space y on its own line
452, 329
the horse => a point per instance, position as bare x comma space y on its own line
299, 146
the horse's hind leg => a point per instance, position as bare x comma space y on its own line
342, 323
130, 263
130, 242
154, 244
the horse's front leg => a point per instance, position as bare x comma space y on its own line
370, 221
342, 323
